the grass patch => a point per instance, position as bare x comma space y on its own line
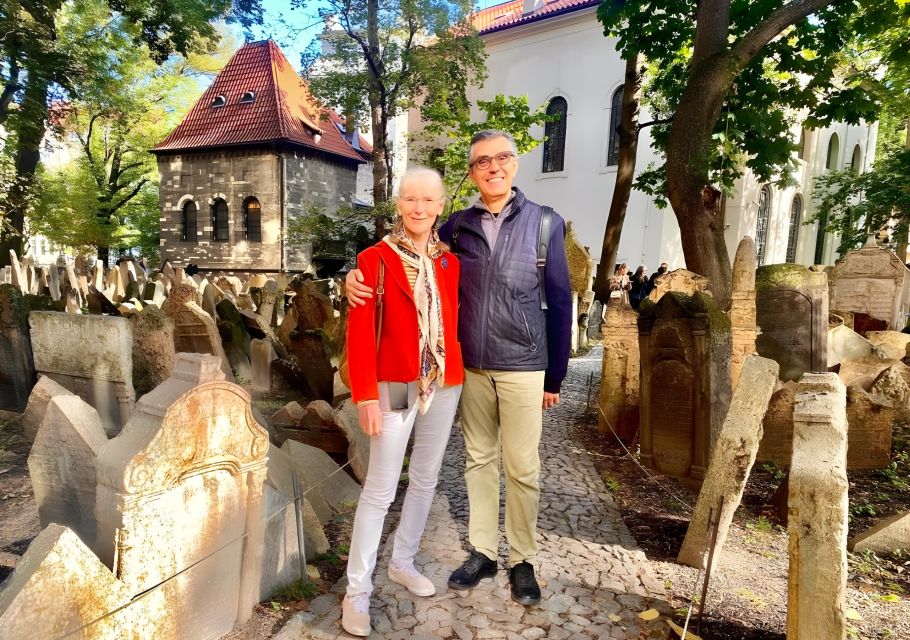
611, 483
297, 590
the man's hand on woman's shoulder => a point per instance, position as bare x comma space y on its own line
356, 292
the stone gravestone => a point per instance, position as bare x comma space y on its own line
731, 462
153, 348
309, 318
61, 465
620, 373
195, 330
234, 338
685, 344
42, 393
888, 536
180, 491
679, 280
742, 308
61, 590
92, 357
872, 281
792, 313
817, 506
17, 371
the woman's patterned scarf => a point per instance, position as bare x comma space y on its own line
429, 311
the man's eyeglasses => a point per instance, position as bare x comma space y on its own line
411, 200
484, 162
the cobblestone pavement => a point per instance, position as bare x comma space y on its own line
594, 580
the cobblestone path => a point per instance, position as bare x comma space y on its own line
594, 580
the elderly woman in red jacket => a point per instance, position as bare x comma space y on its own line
410, 380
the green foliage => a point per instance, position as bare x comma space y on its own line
805, 74
855, 205
337, 233
510, 114
298, 590
612, 484
382, 57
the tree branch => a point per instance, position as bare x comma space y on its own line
654, 122
772, 26
132, 194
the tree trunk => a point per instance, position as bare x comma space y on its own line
625, 175
32, 125
378, 118
696, 203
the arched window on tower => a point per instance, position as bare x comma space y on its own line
613, 142
833, 152
252, 220
189, 222
220, 228
554, 147
796, 219
761, 223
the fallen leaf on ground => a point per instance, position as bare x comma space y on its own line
614, 618
650, 614
679, 631
853, 614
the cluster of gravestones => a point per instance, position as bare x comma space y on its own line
806, 362
179, 497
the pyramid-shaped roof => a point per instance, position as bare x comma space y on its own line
258, 98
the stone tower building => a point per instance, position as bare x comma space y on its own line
255, 151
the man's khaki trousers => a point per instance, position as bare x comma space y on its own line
501, 414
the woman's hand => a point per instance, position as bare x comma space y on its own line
370, 417
357, 293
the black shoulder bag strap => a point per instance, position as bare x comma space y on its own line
543, 243
455, 229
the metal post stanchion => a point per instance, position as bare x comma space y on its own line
298, 512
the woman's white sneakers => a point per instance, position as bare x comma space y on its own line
355, 614
411, 579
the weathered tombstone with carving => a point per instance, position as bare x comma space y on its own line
620, 373
91, 356
686, 346
181, 488
679, 280
872, 281
792, 313
742, 308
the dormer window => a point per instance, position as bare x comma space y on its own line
219, 101
248, 98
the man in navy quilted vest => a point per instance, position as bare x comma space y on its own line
514, 324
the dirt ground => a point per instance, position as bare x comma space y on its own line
18, 512
747, 595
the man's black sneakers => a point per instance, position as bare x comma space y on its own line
475, 568
524, 585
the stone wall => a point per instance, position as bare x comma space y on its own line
309, 179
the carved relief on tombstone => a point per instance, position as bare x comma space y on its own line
91, 356
182, 485
792, 313
686, 347
872, 281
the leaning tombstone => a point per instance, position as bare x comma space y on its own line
43, 392
234, 338
742, 307
61, 465
195, 330
731, 463
179, 499
91, 356
261, 356
890, 536
17, 371
792, 312
60, 590
817, 523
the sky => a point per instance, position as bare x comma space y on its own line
294, 29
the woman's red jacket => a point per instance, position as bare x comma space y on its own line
398, 359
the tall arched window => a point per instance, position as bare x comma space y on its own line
761, 223
554, 147
220, 229
833, 152
613, 142
252, 220
189, 222
856, 163
796, 218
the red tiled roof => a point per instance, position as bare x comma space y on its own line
283, 110
355, 139
511, 14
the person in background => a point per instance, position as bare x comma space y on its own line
411, 382
653, 280
638, 286
620, 284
